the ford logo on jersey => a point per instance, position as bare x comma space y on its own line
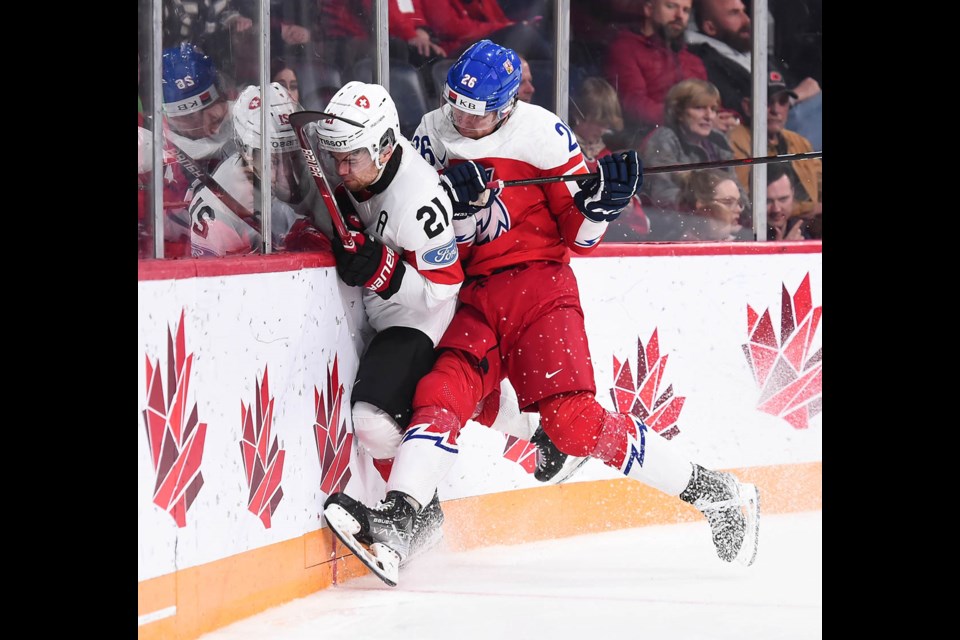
442, 256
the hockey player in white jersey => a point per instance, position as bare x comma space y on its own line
405, 259
221, 228
520, 315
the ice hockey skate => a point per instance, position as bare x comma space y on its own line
733, 510
427, 530
553, 466
379, 537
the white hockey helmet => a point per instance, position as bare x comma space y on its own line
366, 119
246, 119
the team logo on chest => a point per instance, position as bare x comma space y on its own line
493, 221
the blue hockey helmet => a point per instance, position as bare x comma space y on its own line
485, 79
189, 80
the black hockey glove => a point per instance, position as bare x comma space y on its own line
466, 185
603, 198
373, 265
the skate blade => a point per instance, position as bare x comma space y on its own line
382, 561
750, 500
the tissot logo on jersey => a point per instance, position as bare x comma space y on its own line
442, 256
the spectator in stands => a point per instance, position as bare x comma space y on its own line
284, 75
346, 29
203, 21
688, 136
723, 41
594, 115
645, 60
290, 28
457, 24
408, 22
715, 200
780, 224
526, 81
780, 140
593, 26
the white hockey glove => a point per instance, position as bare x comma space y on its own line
466, 185
603, 198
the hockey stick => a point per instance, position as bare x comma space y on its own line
670, 168
191, 167
299, 120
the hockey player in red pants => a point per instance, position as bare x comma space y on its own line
520, 315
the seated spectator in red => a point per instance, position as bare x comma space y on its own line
345, 28
457, 24
645, 60
688, 136
408, 22
594, 113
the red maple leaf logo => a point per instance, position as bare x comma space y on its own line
522, 452
643, 399
262, 458
789, 377
330, 433
175, 438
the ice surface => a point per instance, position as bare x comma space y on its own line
659, 583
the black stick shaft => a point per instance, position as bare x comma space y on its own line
670, 168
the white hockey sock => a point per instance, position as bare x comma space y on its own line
653, 460
426, 455
510, 420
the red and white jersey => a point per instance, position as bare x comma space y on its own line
535, 222
413, 216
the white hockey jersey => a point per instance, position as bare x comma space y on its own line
413, 216
217, 231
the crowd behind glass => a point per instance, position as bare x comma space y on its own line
659, 76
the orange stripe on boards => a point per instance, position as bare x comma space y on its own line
559, 511
219, 593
